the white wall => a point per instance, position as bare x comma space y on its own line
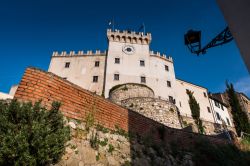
182, 100
4, 96
13, 90
81, 70
130, 70
223, 113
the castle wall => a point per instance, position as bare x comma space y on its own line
77, 103
182, 100
81, 70
126, 91
159, 110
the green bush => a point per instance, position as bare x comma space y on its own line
31, 135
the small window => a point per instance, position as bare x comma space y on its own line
65, 78
166, 68
117, 60
205, 94
95, 78
222, 107
143, 79
218, 116
217, 104
171, 99
116, 77
180, 104
97, 63
169, 83
142, 63
208, 109
228, 122
67, 64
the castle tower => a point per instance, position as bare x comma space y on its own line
129, 60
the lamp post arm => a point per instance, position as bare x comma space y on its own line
224, 37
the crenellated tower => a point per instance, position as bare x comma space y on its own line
129, 60
131, 37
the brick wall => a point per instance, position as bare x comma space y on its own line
77, 103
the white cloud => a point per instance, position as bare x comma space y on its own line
243, 85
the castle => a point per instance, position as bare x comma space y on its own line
129, 72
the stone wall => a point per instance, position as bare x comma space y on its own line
113, 148
129, 90
159, 110
209, 127
78, 103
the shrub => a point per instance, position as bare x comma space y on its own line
239, 116
195, 110
31, 135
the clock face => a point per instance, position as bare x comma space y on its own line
127, 49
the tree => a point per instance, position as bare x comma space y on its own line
195, 110
239, 116
31, 135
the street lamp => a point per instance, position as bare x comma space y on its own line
192, 40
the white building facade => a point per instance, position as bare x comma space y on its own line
128, 59
220, 110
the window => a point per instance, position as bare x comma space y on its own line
143, 79
208, 109
222, 107
95, 78
117, 60
97, 63
228, 122
65, 78
180, 104
205, 94
116, 77
171, 99
218, 116
217, 104
166, 68
169, 83
142, 63
67, 64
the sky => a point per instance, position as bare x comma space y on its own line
31, 30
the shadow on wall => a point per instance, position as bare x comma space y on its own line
151, 143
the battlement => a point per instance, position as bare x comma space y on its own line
162, 56
129, 37
79, 53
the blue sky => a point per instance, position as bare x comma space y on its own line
31, 30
